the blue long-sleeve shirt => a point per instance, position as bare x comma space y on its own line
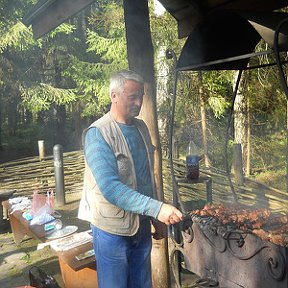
103, 164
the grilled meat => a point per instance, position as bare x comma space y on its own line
260, 221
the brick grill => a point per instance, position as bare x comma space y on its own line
233, 257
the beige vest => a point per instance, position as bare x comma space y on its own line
93, 206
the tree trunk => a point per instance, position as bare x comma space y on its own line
287, 141
240, 120
12, 114
248, 148
60, 109
78, 124
82, 25
1, 147
141, 59
238, 164
60, 124
203, 119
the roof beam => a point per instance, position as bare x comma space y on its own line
48, 14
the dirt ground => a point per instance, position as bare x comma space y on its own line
17, 260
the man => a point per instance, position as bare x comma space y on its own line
119, 196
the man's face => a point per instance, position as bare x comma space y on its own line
128, 102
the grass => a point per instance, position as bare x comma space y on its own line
275, 179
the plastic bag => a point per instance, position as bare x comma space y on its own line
41, 219
39, 279
42, 204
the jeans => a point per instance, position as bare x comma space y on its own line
123, 261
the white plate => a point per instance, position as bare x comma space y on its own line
65, 231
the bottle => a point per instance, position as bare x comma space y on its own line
192, 162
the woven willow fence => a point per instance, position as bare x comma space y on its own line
29, 174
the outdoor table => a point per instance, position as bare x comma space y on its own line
75, 273
20, 226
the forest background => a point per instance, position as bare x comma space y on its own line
54, 87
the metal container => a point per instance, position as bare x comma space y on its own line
233, 258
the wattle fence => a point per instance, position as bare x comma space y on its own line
27, 175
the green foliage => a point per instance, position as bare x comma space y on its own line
218, 104
65, 28
218, 86
269, 150
110, 49
106, 41
17, 37
41, 97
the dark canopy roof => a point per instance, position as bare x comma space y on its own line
189, 13
222, 34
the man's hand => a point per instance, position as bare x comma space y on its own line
169, 214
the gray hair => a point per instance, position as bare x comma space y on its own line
118, 80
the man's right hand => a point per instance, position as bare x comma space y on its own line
169, 214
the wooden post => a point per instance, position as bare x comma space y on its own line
141, 60
175, 148
209, 190
41, 149
59, 174
238, 164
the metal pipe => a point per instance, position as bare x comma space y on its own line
59, 174
284, 84
202, 66
170, 54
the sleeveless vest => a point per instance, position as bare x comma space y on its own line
93, 206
